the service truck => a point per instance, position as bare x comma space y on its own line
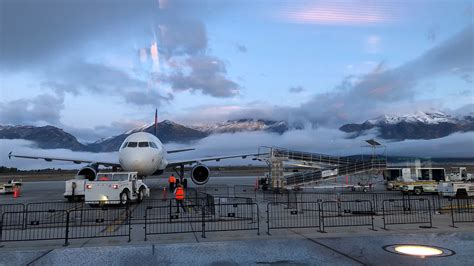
460, 184
10, 186
425, 181
116, 188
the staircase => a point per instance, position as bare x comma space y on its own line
333, 166
348, 169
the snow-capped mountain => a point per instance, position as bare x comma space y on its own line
419, 125
168, 131
241, 125
421, 117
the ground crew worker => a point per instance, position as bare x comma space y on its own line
172, 182
179, 195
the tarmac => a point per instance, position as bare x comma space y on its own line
341, 246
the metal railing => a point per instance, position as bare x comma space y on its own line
202, 218
462, 210
407, 211
341, 170
347, 213
280, 216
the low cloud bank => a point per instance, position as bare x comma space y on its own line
320, 140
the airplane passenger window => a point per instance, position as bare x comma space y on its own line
153, 145
143, 144
132, 144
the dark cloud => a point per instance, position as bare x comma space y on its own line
44, 108
362, 98
296, 89
241, 48
94, 78
358, 98
206, 74
36, 32
182, 37
146, 97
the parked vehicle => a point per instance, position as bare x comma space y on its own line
116, 188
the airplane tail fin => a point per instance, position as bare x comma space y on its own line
156, 122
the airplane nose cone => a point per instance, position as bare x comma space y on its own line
136, 164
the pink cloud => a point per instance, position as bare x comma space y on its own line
340, 13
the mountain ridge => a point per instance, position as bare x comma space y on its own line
419, 125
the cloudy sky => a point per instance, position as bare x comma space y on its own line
98, 68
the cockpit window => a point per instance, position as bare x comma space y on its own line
132, 144
143, 144
153, 145
124, 145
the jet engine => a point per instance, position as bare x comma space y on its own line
200, 174
89, 172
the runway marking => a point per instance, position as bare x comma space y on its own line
42, 255
115, 225
328, 247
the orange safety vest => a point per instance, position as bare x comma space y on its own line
179, 193
172, 179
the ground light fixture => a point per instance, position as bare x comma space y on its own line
421, 251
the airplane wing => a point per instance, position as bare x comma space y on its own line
76, 161
181, 150
207, 159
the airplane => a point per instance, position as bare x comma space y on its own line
144, 153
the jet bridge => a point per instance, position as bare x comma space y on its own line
321, 166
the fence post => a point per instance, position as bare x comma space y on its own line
372, 215
171, 211
1, 230
66, 240
146, 219
383, 214
203, 216
321, 217
452, 210
129, 216
429, 211
268, 218
258, 218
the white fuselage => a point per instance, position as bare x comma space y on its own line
143, 153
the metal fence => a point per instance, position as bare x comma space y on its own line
347, 213
233, 217
290, 197
33, 225
407, 211
462, 210
98, 222
165, 220
245, 191
281, 216
201, 218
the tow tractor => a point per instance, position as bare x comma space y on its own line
75, 188
116, 188
8, 188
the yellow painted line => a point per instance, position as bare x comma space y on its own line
458, 207
114, 226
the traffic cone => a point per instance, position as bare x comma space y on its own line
165, 195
